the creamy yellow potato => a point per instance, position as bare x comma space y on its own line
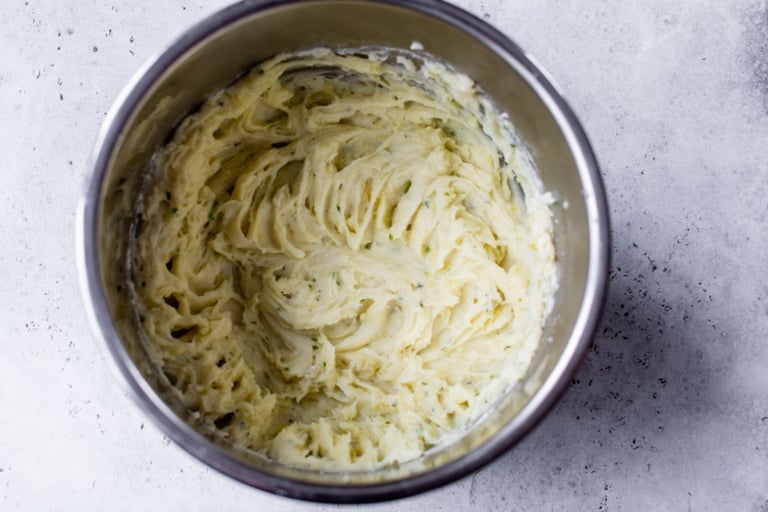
344, 258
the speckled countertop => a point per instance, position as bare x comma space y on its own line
670, 411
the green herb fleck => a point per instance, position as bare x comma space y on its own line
427, 203
314, 338
368, 245
427, 249
168, 196
407, 187
391, 237
174, 210
315, 347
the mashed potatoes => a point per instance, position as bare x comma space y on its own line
344, 258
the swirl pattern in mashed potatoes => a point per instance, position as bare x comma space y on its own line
344, 258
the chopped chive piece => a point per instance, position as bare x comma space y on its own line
407, 187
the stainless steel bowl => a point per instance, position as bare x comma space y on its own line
212, 54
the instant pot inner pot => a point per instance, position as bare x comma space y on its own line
218, 51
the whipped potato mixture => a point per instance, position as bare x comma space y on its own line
344, 258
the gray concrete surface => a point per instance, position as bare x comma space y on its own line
670, 411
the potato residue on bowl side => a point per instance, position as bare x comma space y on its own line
344, 258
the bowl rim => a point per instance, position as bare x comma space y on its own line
555, 384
